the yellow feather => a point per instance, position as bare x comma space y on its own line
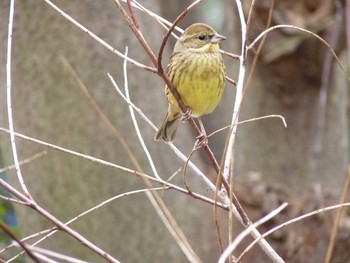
197, 72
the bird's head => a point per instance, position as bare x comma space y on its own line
199, 37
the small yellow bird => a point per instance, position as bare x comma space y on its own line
197, 72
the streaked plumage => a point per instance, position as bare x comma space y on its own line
197, 72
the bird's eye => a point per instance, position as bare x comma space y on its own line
201, 37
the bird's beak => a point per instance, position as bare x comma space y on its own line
217, 38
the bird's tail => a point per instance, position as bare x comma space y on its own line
168, 129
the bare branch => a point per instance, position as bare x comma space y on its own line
337, 219
247, 231
289, 222
109, 164
95, 37
19, 242
133, 16
25, 161
9, 102
137, 32
324, 42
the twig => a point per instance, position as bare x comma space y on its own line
229, 147
167, 35
184, 170
249, 19
9, 199
257, 53
166, 24
57, 222
65, 258
261, 35
133, 16
247, 231
54, 230
250, 120
25, 161
238, 100
231, 55
102, 42
133, 118
137, 33
9, 102
289, 222
19, 242
25, 239
163, 22
232, 81
112, 165
337, 218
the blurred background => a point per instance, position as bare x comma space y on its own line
294, 75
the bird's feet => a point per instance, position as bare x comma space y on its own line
202, 141
185, 116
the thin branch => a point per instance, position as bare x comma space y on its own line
57, 222
257, 53
54, 230
103, 116
133, 118
25, 161
230, 55
289, 222
99, 40
112, 165
137, 33
170, 30
249, 19
53, 254
232, 81
247, 231
166, 24
9, 199
8, 232
9, 101
337, 218
133, 16
160, 20
261, 35
229, 147
250, 120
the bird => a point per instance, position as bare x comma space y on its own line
197, 72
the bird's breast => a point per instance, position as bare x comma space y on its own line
199, 80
